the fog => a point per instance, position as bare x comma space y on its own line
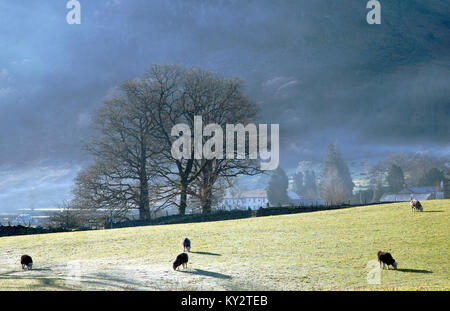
315, 67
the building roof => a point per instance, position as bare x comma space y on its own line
249, 194
404, 197
293, 196
418, 190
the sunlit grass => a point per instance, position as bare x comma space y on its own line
327, 250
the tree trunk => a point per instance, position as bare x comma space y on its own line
206, 189
206, 201
144, 202
183, 197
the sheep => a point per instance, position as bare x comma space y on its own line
181, 259
186, 244
27, 261
415, 205
386, 259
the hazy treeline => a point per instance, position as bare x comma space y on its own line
397, 171
335, 185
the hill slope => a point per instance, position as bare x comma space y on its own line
328, 250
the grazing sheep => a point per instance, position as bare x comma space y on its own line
186, 244
182, 259
26, 260
386, 258
415, 205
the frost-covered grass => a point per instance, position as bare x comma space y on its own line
327, 250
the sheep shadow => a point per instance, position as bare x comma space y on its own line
40, 269
20, 271
432, 211
207, 273
414, 271
206, 253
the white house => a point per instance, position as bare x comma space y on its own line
253, 199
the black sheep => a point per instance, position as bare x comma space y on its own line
186, 244
182, 259
416, 206
26, 260
386, 258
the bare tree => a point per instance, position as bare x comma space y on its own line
99, 188
124, 152
184, 94
69, 217
166, 82
133, 151
209, 190
220, 101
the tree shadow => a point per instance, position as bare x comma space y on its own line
6, 274
106, 279
414, 271
56, 281
43, 280
207, 273
207, 253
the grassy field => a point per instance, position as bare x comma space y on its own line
328, 250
